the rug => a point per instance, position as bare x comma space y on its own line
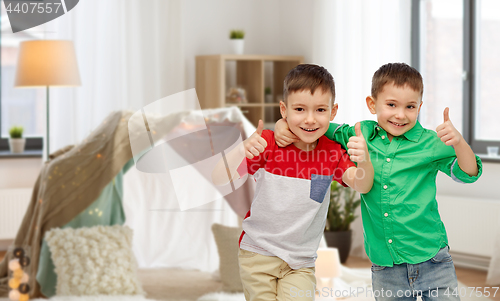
92, 298
467, 295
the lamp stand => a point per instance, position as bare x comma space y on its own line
48, 129
326, 295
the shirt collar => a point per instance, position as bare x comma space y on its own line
376, 129
413, 134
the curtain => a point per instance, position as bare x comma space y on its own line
129, 54
352, 39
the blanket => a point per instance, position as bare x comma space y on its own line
69, 182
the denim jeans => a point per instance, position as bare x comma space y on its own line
434, 279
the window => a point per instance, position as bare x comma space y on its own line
486, 65
456, 54
19, 106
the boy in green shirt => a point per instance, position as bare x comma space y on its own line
404, 236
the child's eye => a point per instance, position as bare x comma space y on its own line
391, 105
410, 107
321, 110
299, 109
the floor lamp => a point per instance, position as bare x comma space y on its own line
47, 63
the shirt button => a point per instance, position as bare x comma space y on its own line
383, 136
388, 159
386, 214
385, 186
390, 241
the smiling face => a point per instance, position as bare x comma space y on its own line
396, 107
308, 115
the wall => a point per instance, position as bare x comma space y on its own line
19, 172
471, 214
271, 27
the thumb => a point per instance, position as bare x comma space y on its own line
260, 127
446, 114
357, 129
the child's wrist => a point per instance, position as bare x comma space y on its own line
461, 141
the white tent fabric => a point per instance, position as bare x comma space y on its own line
164, 235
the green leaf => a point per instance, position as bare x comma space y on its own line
343, 204
16, 132
236, 34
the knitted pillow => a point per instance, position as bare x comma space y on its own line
227, 239
94, 261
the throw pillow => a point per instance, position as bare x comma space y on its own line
227, 239
94, 261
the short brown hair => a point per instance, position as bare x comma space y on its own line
398, 73
308, 77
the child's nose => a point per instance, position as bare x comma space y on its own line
310, 118
400, 114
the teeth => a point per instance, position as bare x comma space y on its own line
309, 130
399, 124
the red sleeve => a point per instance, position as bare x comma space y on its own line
252, 165
344, 164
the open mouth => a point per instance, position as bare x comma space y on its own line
398, 124
309, 130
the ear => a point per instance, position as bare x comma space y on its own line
283, 109
420, 106
370, 103
334, 111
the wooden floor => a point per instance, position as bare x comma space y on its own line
469, 277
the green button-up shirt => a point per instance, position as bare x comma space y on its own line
400, 213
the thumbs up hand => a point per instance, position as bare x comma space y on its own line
255, 144
447, 132
357, 148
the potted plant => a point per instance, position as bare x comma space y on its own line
268, 95
343, 204
16, 140
237, 40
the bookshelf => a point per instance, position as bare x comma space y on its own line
216, 74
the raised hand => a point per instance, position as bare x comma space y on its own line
447, 132
255, 144
283, 135
357, 148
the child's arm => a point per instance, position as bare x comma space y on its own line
338, 133
282, 134
253, 146
359, 178
451, 136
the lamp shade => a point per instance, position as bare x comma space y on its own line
328, 263
47, 63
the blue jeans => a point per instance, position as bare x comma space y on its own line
434, 279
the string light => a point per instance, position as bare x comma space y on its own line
19, 281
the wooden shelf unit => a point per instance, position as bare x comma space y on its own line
212, 78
